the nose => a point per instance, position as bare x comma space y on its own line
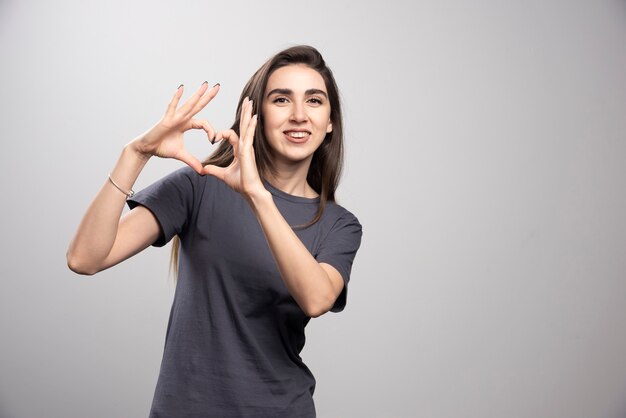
298, 113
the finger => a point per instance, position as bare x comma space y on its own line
206, 98
193, 100
246, 113
190, 160
242, 112
248, 140
171, 107
230, 136
203, 124
214, 170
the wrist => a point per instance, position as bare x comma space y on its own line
132, 148
258, 198
131, 161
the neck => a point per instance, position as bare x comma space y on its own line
291, 179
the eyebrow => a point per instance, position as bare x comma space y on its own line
289, 92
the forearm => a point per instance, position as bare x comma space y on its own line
304, 277
98, 228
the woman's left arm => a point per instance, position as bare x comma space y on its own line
315, 286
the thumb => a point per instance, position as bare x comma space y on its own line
190, 160
213, 170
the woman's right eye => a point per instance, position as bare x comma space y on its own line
280, 100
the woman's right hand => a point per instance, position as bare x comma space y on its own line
165, 139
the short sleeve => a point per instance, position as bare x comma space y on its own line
339, 249
171, 200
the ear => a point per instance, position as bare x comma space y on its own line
329, 128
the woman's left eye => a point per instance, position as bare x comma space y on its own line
315, 100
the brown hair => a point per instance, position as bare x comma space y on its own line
326, 164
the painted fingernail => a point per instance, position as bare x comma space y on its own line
179, 86
216, 84
206, 82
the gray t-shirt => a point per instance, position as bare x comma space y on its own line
235, 333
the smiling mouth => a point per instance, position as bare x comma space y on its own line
297, 136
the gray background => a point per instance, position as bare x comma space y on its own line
486, 159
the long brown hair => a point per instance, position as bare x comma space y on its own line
327, 162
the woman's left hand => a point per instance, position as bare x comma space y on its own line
242, 174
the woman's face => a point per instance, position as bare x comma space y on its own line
296, 113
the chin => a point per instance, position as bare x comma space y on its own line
293, 157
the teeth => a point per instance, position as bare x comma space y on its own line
297, 134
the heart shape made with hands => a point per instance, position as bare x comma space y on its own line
166, 138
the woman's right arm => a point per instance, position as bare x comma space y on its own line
104, 237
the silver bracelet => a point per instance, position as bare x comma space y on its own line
128, 194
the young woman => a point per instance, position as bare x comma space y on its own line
260, 245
